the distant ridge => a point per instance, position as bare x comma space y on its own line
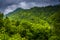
45, 13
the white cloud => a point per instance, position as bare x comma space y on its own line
10, 9
23, 5
26, 5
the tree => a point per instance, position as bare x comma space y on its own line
17, 23
1, 20
1, 15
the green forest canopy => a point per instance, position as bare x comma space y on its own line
32, 24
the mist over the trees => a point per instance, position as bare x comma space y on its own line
7, 6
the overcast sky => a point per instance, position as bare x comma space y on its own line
7, 6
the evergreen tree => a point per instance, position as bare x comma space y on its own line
1, 20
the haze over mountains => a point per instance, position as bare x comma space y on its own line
7, 6
40, 12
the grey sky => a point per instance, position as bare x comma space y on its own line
7, 6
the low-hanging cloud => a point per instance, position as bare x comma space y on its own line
7, 6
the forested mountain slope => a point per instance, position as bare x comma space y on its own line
38, 23
45, 13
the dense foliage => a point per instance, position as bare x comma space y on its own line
32, 24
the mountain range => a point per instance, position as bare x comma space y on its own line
46, 13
